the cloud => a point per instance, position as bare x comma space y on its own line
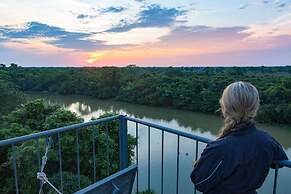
82, 16
76, 41
3, 38
207, 40
34, 46
156, 15
202, 36
213, 39
243, 6
279, 5
114, 9
50, 35
152, 16
28, 56
277, 27
98, 12
134, 36
32, 30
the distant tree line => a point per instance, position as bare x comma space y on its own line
187, 88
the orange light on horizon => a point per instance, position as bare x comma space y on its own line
169, 51
90, 61
135, 54
93, 57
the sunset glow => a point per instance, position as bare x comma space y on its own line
90, 61
145, 33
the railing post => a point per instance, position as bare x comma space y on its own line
123, 142
275, 179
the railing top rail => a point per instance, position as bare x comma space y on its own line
170, 130
285, 163
55, 131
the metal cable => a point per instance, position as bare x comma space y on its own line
41, 175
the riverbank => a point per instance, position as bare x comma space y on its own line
88, 107
56, 98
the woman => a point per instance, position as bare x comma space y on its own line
239, 160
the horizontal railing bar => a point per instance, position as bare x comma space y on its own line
170, 130
286, 163
55, 131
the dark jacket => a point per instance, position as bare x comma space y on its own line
237, 163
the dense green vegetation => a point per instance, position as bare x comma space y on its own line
10, 97
37, 116
188, 88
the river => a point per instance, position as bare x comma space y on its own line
196, 123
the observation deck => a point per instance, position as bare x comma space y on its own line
98, 162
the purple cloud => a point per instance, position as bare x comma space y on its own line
152, 16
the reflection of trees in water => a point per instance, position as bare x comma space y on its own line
80, 108
85, 105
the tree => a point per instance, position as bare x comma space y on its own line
10, 97
13, 65
36, 116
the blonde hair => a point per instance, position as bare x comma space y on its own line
239, 104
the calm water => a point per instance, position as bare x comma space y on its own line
196, 123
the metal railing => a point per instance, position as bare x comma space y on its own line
58, 132
197, 139
123, 150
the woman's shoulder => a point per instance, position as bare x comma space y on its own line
278, 150
265, 136
220, 144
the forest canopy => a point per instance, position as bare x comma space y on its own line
37, 116
187, 88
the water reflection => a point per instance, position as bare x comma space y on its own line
197, 123
88, 107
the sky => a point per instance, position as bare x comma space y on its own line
63, 33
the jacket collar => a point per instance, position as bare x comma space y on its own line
249, 128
